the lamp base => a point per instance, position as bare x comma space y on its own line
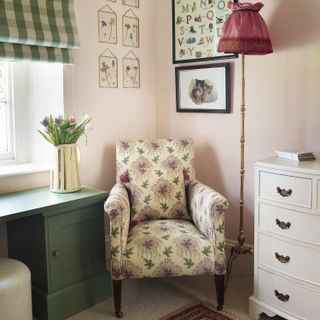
238, 249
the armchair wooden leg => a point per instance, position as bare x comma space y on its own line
219, 280
117, 285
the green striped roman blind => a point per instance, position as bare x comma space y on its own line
39, 30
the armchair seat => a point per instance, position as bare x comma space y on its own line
167, 248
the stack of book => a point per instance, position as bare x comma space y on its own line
296, 155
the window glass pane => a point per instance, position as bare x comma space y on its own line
2, 80
3, 128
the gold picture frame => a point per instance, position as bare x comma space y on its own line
107, 25
131, 3
130, 29
108, 70
131, 71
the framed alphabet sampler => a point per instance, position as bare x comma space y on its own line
197, 27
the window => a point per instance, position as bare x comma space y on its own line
29, 91
6, 113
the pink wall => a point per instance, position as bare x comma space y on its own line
117, 113
282, 98
282, 102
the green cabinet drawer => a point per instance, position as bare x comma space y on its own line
76, 246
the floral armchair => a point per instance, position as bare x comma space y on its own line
164, 223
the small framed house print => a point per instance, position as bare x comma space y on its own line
108, 70
131, 3
131, 71
130, 29
107, 25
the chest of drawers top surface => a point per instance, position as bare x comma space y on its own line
307, 167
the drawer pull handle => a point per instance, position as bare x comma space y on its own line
56, 253
284, 193
282, 297
281, 258
283, 225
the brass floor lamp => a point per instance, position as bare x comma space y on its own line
245, 33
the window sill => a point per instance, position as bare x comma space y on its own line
21, 169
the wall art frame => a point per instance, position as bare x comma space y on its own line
131, 71
108, 70
131, 3
130, 29
107, 25
203, 88
196, 29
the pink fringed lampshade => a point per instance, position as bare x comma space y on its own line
245, 31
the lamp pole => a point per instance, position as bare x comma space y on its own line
240, 248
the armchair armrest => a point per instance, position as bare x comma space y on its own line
207, 209
117, 207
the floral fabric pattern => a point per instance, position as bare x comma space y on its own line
171, 155
117, 207
155, 174
151, 237
207, 208
167, 248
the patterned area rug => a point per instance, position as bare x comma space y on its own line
197, 312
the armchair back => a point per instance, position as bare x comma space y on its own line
156, 173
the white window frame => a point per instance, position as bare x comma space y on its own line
27, 109
8, 156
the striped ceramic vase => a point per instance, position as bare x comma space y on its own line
65, 169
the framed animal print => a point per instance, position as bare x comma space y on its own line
203, 88
197, 27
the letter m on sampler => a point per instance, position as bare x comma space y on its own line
185, 8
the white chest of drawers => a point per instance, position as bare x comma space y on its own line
287, 240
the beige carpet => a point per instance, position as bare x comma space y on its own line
152, 299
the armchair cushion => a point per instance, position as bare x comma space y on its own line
158, 197
167, 248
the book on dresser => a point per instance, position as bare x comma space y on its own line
287, 240
296, 155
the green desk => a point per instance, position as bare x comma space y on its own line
60, 237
